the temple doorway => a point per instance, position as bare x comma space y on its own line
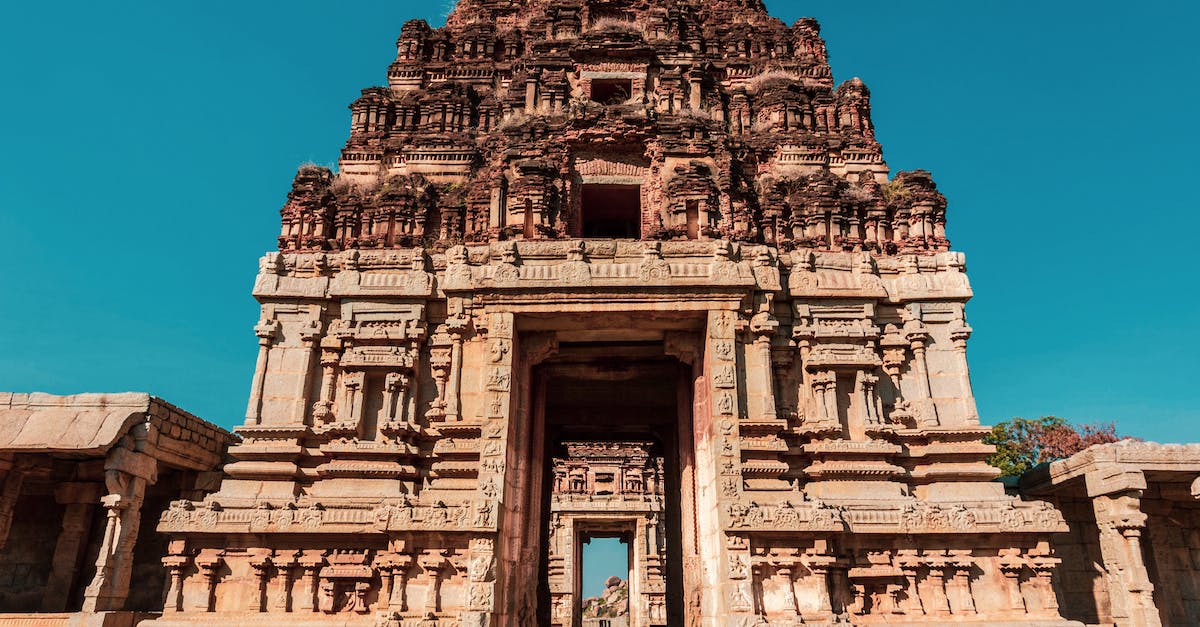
614, 419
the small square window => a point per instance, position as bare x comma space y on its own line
609, 91
612, 211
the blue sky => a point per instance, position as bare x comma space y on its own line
149, 145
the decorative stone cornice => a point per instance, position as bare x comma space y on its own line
210, 517
898, 517
1114, 467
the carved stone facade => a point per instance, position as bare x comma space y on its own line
612, 267
630, 268
84, 479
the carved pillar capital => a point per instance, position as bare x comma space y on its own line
310, 332
208, 563
266, 330
763, 325
960, 332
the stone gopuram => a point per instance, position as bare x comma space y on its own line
594, 269
611, 268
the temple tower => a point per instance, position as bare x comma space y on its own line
633, 268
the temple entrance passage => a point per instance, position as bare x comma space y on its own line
611, 486
609, 489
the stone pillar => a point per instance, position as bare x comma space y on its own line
1012, 565
864, 385
939, 600
820, 565
175, 564
763, 326
311, 563
352, 406
718, 471
457, 326
10, 491
502, 490
695, 78
208, 564
284, 567
401, 569
531, 95
330, 356
266, 331
824, 386
396, 395
260, 563
910, 565
841, 594
960, 332
439, 367
1116, 493
80, 500
385, 565
1121, 522
962, 565
433, 563
917, 336
1043, 573
785, 573
127, 473
310, 334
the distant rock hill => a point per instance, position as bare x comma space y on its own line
612, 603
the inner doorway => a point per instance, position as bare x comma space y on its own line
605, 578
614, 416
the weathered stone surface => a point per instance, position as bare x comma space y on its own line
597, 268
612, 267
1130, 557
82, 478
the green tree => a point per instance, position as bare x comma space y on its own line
1022, 444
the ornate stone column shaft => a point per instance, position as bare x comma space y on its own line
323, 408
918, 336
310, 336
9, 494
1121, 522
80, 500
960, 333
127, 472
175, 565
266, 331
457, 326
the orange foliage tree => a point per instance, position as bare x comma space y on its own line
1022, 444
